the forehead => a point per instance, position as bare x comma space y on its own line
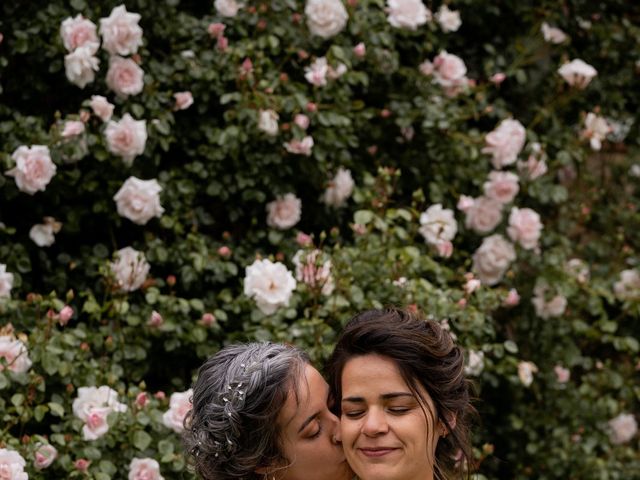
306, 397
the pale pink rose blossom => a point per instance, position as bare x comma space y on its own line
101, 107
525, 227
12, 465
407, 13
130, 269
622, 428
43, 234
339, 189
562, 374
284, 212
300, 147
15, 354
497, 78
302, 121
208, 319
552, 34
96, 424
81, 64
526, 371
44, 456
554, 307
492, 259
316, 73
216, 29
444, 249
155, 320
92, 406
78, 31
126, 138
325, 18
535, 166
139, 200
124, 76
513, 298
34, 168
121, 34
465, 203
475, 363
269, 284
65, 315
304, 240
144, 469
72, 128
224, 251
505, 142
501, 186
484, 215
449, 20
313, 268
449, 70
142, 399
268, 122
179, 406
596, 129
183, 100
360, 50
628, 287
6, 281
577, 73
472, 284
82, 465
227, 8
438, 224
426, 68
335, 73
222, 43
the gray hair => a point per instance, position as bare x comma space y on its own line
232, 428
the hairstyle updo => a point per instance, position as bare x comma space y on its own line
232, 429
426, 356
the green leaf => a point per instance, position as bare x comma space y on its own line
363, 217
56, 409
141, 439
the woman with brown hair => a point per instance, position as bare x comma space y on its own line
402, 397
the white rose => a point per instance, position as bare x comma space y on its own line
92, 406
475, 364
554, 307
325, 18
449, 20
525, 227
577, 73
15, 354
526, 371
628, 287
81, 64
505, 142
316, 73
34, 168
183, 100
121, 34
449, 70
130, 269
622, 428
269, 284
126, 138
407, 13
179, 406
101, 107
502, 186
313, 269
552, 34
42, 234
339, 189
300, 147
268, 122
284, 212
144, 469
96, 424
6, 281
438, 224
44, 456
493, 258
12, 465
76, 32
483, 215
124, 76
139, 200
227, 8
596, 129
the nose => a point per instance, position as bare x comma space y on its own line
375, 423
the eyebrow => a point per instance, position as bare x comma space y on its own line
308, 421
386, 396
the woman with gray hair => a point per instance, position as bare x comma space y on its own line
260, 413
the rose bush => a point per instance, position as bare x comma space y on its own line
316, 159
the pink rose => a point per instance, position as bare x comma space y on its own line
139, 200
449, 20
407, 13
449, 70
34, 168
444, 249
622, 428
96, 424
360, 50
155, 320
547, 308
144, 469
513, 298
179, 406
183, 100
552, 34
302, 121
216, 29
284, 212
208, 319
497, 78
65, 315
465, 203
15, 354
484, 215
6, 281
535, 166
101, 107
502, 186
142, 399
525, 227
81, 64
78, 31
562, 374
505, 142
577, 73
44, 456
526, 371
304, 240
227, 8
72, 128
316, 73
493, 258
222, 43
130, 269
426, 68
124, 76
300, 147
339, 189
82, 465
126, 138
224, 251
121, 34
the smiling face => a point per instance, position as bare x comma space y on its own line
387, 433
308, 430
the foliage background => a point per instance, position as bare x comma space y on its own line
218, 171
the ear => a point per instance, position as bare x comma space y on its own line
451, 420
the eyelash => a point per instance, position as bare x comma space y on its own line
394, 411
317, 434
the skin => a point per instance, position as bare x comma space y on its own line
387, 433
309, 434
